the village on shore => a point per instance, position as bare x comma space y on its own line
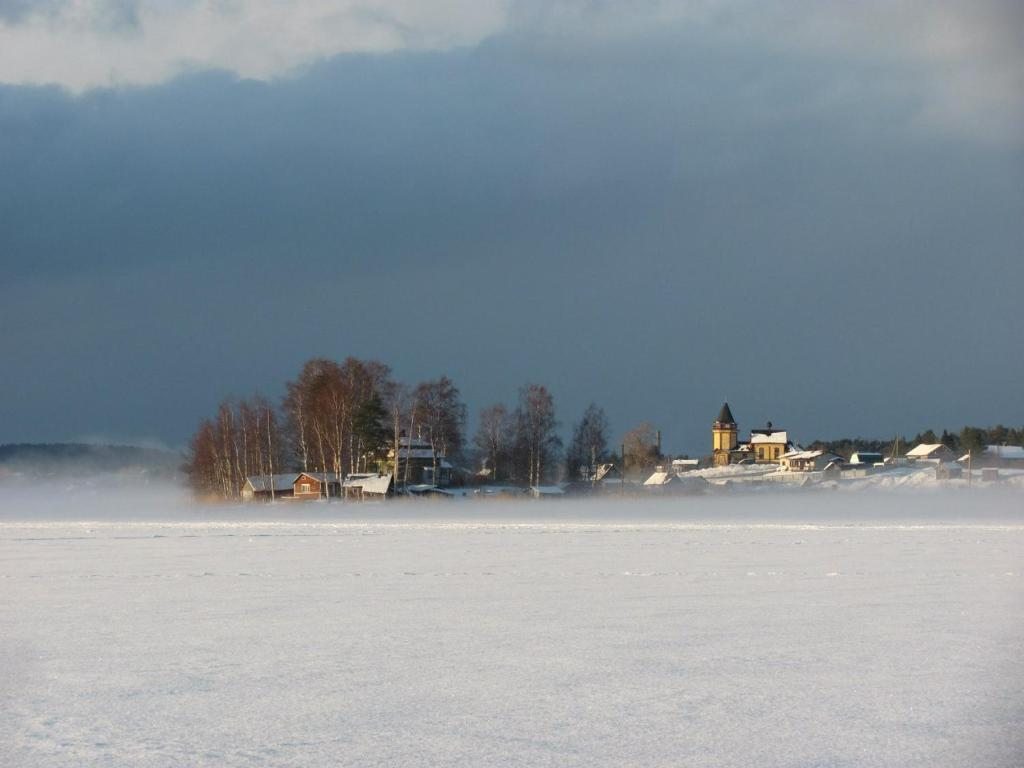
769, 457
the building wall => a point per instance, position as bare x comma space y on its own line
723, 440
314, 491
768, 452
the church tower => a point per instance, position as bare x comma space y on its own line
724, 434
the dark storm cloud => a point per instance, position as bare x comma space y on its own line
656, 227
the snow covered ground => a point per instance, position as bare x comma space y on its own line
807, 630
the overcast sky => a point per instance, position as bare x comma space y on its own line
813, 209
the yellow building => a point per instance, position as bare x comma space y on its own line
766, 445
724, 433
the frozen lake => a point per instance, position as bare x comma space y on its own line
782, 631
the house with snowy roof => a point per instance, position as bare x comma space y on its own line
931, 452
866, 458
368, 486
299, 486
809, 461
666, 481
268, 487
996, 456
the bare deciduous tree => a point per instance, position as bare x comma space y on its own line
493, 439
641, 446
442, 417
536, 444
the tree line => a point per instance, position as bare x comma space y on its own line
973, 439
352, 416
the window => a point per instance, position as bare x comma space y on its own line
304, 488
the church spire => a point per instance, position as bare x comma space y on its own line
725, 415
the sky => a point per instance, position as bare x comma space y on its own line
812, 209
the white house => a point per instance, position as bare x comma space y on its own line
365, 487
809, 461
685, 465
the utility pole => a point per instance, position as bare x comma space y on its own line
270, 455
623, 448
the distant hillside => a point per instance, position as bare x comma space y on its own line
81, 459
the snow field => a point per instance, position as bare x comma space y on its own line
604, 636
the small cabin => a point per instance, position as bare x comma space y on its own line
809, 461
310, 486
268, 487
368, 487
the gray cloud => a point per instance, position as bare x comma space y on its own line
966, 54
654, 226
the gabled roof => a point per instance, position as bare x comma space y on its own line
924, 449
369, 483
862, 457
1005, 451
810, 455
661, 478
779, 437
725, 415
1014, 452
323, 477
263, 483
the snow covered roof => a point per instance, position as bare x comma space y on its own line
414, 453
865, 457
1014, 452
369, 483
924, 449
801, 454
660, 478
685, 462
1005, 451
263, 483
425, 489
416, 448
808, 455
775, 438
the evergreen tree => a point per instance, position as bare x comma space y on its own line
589, 445
371, 431
973, 440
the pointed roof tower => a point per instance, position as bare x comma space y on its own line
725, 416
